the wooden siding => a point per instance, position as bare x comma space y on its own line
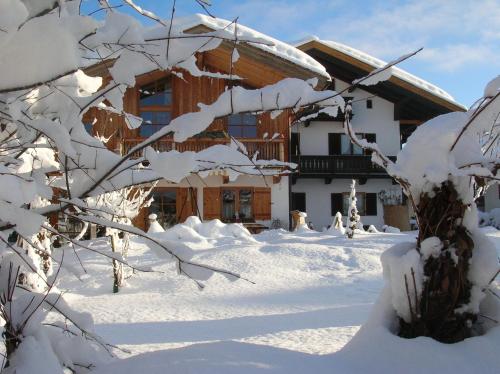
188, 91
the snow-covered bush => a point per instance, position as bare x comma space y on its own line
390, 229
353, 218
391, 196
437, 284
337, 226
51, 166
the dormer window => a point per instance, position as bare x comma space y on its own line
155, 105
243, 125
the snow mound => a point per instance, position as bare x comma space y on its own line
202, 234
390, 229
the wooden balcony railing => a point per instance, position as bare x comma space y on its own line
268, 149
339, 166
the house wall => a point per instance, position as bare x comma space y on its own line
491, 198
279, 192
318, 199
378, 120
314, 141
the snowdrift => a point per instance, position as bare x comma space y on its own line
202, 235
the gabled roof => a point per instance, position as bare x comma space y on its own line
277, 48
346, 63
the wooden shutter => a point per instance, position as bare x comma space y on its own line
211, 203
371, 204
337, 203
372, 138
334, 144
262, 203
185, 202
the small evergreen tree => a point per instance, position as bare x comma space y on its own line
352, 214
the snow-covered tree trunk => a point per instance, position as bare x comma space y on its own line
446, 287
352, 214
438, 285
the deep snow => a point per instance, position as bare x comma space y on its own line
312, 291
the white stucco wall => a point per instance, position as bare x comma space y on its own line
318, 199
279, 192
314, 141
378, 120
491, 200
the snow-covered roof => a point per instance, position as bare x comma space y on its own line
273, 46
376, 63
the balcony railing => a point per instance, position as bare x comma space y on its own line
268, 149
339, 166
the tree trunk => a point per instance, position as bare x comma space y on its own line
117, 266
446, 287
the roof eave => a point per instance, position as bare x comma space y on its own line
315, 44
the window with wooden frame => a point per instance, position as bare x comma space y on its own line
366, 203
164, 205
155, 106
242, 125
237, 204
340, 144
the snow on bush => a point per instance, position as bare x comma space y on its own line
337, 226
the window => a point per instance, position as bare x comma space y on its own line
369, 104
347, 148
70, 226
480, 202
88, 127
155, 104
340, 144
237, 205
360, 203
299, 201
153, 121
243, 125
366, 203
295, 144
164, 206
158, 93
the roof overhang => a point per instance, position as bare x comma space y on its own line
412, 101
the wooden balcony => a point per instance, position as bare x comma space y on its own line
268, 149
339, 166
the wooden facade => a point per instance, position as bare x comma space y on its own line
257, 69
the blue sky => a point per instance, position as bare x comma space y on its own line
461, 39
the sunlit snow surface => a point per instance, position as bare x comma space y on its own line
312, 292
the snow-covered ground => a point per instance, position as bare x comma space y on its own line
312, 291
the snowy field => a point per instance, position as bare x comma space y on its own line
312, 291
